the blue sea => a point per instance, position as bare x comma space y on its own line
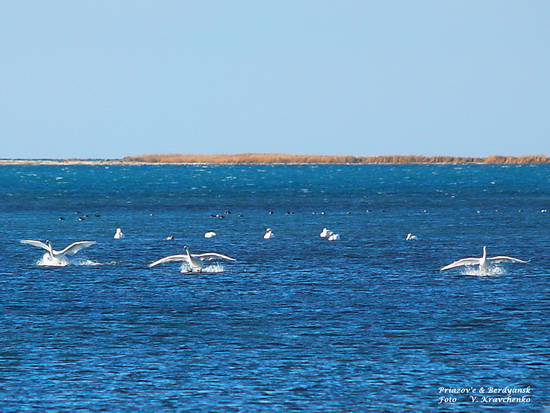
366, 323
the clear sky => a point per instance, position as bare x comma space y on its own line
106, 79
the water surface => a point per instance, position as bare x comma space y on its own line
297, 323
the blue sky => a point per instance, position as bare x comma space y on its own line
89, 79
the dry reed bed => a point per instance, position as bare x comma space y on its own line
254, 159
283, 159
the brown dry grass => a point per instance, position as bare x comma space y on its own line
259, 158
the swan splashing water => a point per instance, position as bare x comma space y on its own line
485, 266
55, 258
194, 262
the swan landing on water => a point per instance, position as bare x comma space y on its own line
194, 260
483, 262
58, 258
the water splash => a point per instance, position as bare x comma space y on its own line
479, 272
214, 268
91, 263
47, 261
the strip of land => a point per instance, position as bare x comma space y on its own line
284, 159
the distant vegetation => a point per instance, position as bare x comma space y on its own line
282, 159
259, 158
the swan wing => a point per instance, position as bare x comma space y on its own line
75, 247
171, 258
212, 256
38, 244
460, 263
503, 258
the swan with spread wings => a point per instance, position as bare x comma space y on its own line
483, 262
195, 261
58, 258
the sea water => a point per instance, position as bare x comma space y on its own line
297, 322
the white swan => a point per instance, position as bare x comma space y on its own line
325, 233
194, 260
118, 234
210, 234
268, 234
333, 236
483, 262
58, 258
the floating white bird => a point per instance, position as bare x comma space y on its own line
333, 236
411, 237
194, 260
210, 234
325, 233
118, 234
483, 262
268, 234
58, 258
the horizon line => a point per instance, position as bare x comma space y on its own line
277, 158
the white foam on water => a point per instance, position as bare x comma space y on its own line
46, 261
214, 268
91, 263
478, 272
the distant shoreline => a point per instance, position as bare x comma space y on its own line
282, 159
